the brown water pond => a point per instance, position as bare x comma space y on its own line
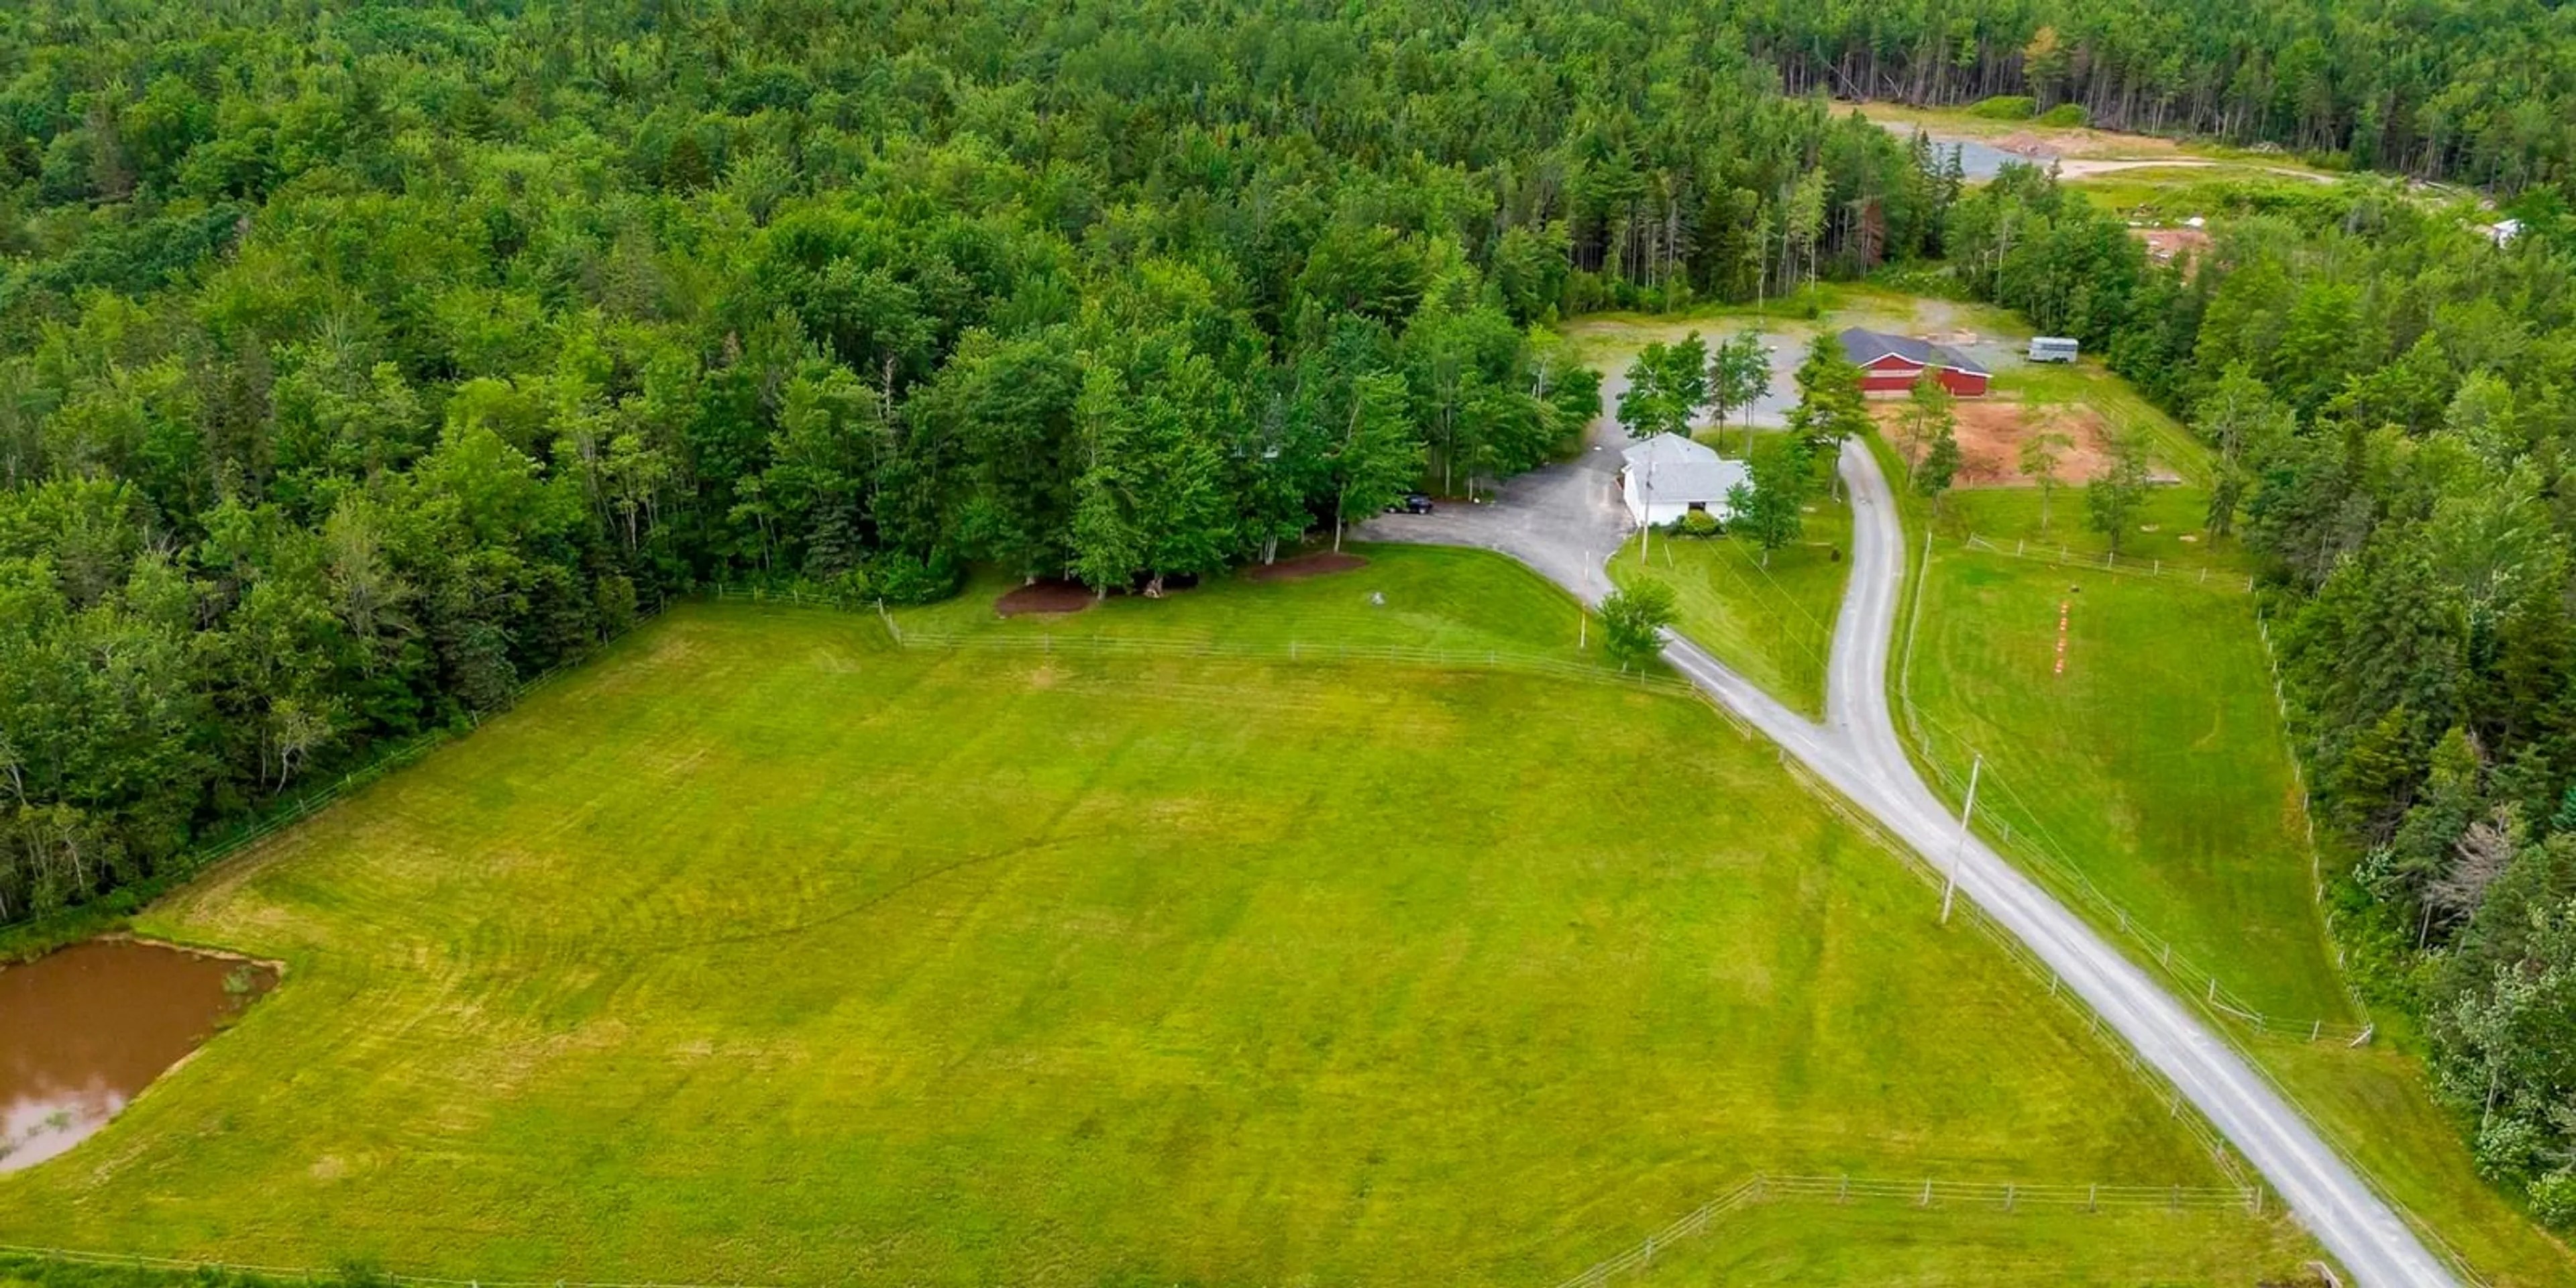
83, 1030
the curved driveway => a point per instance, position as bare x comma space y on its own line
1566, 520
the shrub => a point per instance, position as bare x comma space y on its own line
2068, 115
903, 579
2006, 107
1633, 621
1697, 523
2553, 1200
2506, 1147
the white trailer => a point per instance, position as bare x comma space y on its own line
2052, 348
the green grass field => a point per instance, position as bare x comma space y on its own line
1790, 1245
761, 951
1774, 625
2154, 764
1421, 597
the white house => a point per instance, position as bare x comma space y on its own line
1668, 476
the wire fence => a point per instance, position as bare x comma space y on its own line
1247, 648
2178, 1106
2016, 827
2019, 830
2109, 561
1931, 1194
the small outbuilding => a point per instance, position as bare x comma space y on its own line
1668, 476
1890, 364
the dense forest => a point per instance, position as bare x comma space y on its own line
357, 362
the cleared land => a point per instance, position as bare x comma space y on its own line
1991, 431
762, 951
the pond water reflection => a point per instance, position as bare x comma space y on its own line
83, 1030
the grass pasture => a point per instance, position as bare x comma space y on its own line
762, 951
2154, 763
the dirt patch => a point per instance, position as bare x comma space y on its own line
2165, 245
1322, 563
1991, 433
2024, 143
1045, 597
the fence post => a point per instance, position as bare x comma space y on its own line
1927, 1193
2008, 1196
2093, 1198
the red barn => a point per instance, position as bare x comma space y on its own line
1890, 364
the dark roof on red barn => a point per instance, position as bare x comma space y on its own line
1864, 346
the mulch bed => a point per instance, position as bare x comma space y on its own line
1045, 597
1322, 563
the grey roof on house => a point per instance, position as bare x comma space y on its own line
1671, 468
1864, 346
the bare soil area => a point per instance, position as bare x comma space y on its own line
1991, 433
1045, 597
1322, 563
2168, 244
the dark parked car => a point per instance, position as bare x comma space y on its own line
1412, 503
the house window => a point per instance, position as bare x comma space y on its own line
1699, 507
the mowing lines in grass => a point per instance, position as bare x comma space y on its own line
1088, 968
2155, 773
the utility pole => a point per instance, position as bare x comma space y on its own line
1646, 524
1950, 883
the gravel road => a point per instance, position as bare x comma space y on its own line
1564, 520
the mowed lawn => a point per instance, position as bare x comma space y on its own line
2154, 764
1437, 598
1774, 625
1892, 1245
760, 951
